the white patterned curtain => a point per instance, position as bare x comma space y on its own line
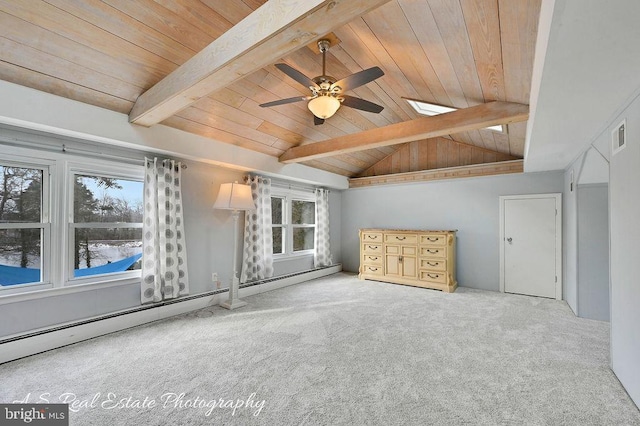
164, 259
322, 253
257, 253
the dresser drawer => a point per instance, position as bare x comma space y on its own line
372, 270
433, 252
372, 237
401, 239
436, 277
372, 248
433, 264
433, 240
370, 259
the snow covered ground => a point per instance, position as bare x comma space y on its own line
102, 252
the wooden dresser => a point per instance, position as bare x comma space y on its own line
417, 258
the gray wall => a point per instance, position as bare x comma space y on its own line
591, 167
624, 211
593, 251
468, 205
209, 236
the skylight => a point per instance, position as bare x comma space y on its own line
426, 108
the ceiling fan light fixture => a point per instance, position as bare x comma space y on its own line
324, 106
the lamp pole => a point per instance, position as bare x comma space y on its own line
234, 302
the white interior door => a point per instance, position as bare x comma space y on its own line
531, 245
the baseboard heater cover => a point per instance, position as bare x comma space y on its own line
54, 337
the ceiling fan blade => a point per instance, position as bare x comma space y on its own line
361, 104
296, 75
317, 121
285, 101
359, 79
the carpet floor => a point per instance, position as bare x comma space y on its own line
340, 351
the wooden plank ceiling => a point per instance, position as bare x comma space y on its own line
458, 53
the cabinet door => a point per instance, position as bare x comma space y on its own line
409, 262
401, 261
392, 266
409, 267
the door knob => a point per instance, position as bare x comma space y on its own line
509, 240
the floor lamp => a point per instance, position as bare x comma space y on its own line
235, 197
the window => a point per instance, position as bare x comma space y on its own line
293, 218
105, 232
24, 227
303, 219
67, 220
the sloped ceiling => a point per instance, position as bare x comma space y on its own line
591, 70
459, 53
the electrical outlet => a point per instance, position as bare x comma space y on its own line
214, 277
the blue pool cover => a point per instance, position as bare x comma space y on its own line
12, 275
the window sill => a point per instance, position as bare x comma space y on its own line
68, 289
293, 256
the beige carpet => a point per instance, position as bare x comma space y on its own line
339, 351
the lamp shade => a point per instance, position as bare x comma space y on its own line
234, 196
324, 106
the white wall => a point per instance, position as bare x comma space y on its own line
468, 205
624, 210
209, 238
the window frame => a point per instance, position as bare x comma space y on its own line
282, 226
290, 195
45, 166
100, 170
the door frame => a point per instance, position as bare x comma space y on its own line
558, 201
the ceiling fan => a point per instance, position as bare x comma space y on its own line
327, 94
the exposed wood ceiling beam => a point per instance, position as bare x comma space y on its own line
271, 32
462, 120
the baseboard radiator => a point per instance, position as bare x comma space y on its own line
26, 344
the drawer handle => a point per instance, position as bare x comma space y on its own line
373, 269
433, 251
372, 237
373, 258
373, 247
433, 263
401, 238
433, 239
433, 276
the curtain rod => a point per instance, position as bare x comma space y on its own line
294, 186
141, 162
65, 149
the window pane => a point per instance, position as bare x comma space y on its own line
303, 212
20, 256
278, 240
20, 194
276, 210
105, 251
102, 199
303, 239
